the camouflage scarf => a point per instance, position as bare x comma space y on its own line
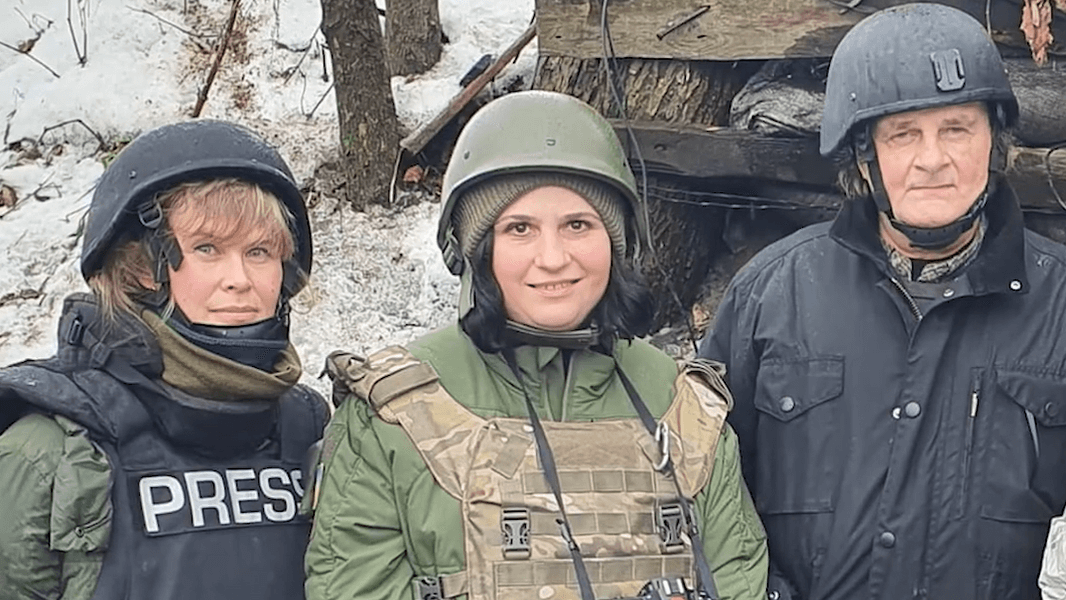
938, 270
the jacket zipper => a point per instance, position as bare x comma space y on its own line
566, 383
906, 296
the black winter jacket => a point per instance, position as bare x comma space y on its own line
895, 451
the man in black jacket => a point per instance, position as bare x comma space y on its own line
899, 373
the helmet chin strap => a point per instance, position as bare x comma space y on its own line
926, 238
255, 345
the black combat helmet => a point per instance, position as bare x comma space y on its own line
123, 203
911, 57
906, 58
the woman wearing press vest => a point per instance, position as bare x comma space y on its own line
158, 454
535, 448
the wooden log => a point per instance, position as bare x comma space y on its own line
1040, 91
729, 155
786, 97
686, 235
1037, 175
724, 152
737, 29
667, 91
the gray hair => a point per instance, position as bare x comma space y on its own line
849, 174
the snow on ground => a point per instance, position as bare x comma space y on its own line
378, 278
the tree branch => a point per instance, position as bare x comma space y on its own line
83, 51
178, 27
99, 139
31, 57
415, 142
202, 98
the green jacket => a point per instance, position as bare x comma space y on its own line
381, 520
54, 488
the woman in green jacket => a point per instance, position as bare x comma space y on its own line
535, 449
158, 454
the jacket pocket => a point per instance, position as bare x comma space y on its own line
1025, 448
797, 449
81, 494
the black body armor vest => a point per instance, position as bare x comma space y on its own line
190, 526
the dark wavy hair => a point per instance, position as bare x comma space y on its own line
626, 311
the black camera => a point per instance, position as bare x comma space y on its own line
666, 588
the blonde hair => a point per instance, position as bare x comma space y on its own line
219, 207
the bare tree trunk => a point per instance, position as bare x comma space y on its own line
368, 125
413, 34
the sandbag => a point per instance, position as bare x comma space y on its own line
785, 98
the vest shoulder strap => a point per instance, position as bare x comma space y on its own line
405, 391
380, 378
302, 416
697, 416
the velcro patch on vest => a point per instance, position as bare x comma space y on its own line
382, 376
173, 502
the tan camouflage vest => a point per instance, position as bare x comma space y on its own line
625, 515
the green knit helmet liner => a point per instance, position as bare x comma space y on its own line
538, 132
480, 206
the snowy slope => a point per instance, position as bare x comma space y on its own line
378, 278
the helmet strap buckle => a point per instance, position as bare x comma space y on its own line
150, 214
453, 258
866, 159
163, 249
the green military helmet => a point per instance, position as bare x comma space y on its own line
536, 131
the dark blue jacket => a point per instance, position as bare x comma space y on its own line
901, 444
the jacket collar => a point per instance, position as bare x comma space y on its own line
1000, 263
85, 339
128, 351
596, 368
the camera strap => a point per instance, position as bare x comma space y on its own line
706, 579
547, 460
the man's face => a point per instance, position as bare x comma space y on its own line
934, 161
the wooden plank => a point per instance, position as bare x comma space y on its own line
417, 140
725, 152
735, 29
730, 155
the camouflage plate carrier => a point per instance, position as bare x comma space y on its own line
626, 516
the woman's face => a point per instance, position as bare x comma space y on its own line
551, 257
233, 280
